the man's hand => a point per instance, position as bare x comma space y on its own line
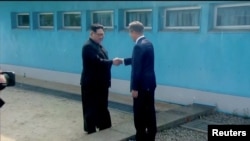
2, 78
2, 82
134, 93
117, 61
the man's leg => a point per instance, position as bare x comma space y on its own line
151, 116
104, 119
88, 111
139, 117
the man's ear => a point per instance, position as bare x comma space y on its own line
91, 33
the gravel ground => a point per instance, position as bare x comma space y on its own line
183, 134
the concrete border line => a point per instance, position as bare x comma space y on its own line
165, 120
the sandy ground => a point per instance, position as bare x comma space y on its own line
34, 116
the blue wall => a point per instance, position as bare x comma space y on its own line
206, 60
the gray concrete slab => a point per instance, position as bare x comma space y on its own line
55, 114
73, 89
165, 120
107, 135
34, 116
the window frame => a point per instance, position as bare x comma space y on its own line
19, 14
181, 27
138, 10
71, 27
104, 11
45, 13
234, 27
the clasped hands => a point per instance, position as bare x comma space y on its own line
117, 61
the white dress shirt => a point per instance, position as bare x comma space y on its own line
135, 43
139, 38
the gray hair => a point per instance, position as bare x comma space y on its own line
136, 26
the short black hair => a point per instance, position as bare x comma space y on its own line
95, 27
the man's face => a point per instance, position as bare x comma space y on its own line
132, 35
98, 35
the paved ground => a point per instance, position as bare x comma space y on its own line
31, 114
36, 111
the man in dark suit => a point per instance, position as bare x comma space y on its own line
95, 81
142, 83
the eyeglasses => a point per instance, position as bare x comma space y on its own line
99, 34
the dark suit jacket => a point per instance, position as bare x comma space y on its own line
142, 61
96, 71
1, 102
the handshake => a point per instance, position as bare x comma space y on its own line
117, 61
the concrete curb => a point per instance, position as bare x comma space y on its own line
165, 120
166, 117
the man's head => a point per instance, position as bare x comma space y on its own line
135, 29
97, 32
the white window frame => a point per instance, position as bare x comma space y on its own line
137, 10
106, 11
20, 14
178, 9
229, 27
49, 13
70, 27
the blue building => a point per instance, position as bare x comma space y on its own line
201, 48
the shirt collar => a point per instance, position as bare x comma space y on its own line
139, 38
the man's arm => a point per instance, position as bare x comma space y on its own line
137, 67
127, 61
90, 54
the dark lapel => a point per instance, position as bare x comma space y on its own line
104, 52
99, 48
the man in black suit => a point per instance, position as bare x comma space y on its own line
95, 81
142, 83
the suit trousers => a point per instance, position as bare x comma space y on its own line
95, 109
145, 116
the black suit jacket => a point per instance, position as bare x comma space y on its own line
96, 71
1, 102
142, 61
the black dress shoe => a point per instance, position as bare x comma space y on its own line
91, 132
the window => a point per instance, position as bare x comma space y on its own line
144, 16
103, 17
182, 18
46, 20
72, 20
235, 16
23, 20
